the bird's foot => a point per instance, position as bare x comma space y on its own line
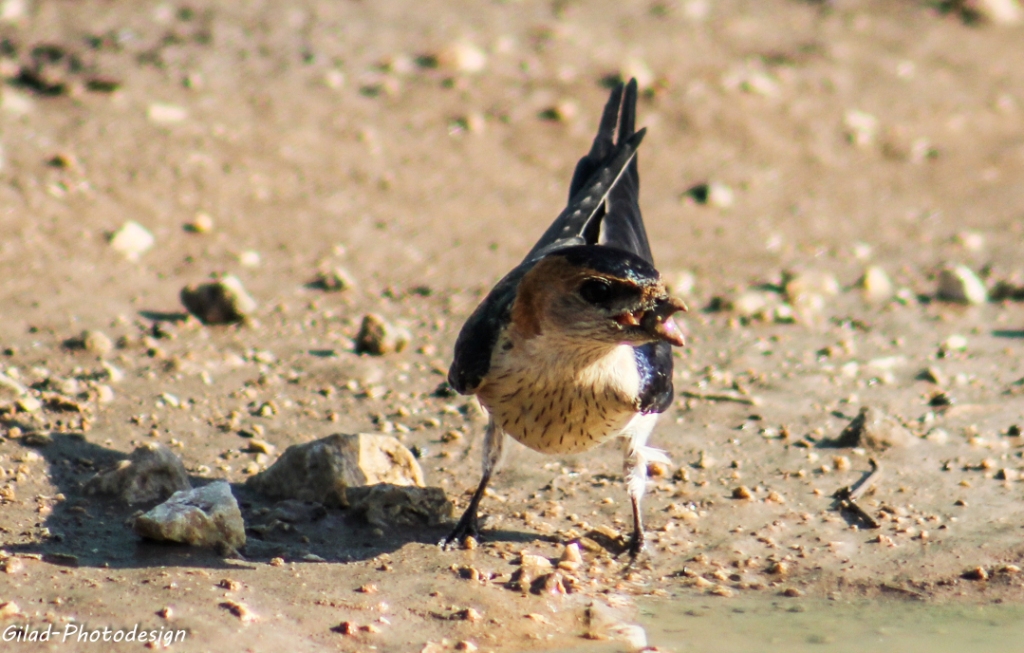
637, 544
635, 547
468, 526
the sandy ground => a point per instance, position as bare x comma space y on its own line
423, 147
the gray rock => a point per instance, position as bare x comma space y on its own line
94, 342
873, 429
206, 516
378, 337
320, 471
400, 505
334, 280
223, 301
151, 473
959, 284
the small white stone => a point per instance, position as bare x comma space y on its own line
696, 10
15, 102
862, 251
11, 11
875, 284
937, 436
998, 12
861, 127
750, 303
250, 258
160, 113
960, 284
720, 195
955, 342
812, 282
132, 240
972, 241
464, 56
334, 79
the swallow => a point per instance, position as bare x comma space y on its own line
573, 347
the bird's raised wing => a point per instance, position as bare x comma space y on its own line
603, 209
604, 196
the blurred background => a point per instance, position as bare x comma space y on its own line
430, 142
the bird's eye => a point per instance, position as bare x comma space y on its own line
595, 291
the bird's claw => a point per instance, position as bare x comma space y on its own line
465, 528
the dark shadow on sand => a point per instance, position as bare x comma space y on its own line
95, 531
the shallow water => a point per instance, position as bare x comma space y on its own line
810, 625
814, 625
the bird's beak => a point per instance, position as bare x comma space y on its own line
658, 321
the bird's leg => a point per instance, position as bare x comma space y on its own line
494, 441
635, 470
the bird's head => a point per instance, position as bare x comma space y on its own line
596, 294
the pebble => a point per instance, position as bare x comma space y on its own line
464, 57
202, 223
240, 610
152, 472
378, 337
934, 375
249, 258
742, 492
334, 280
873, 429
714, 193
861, 127
207, 516
750, 303
131, 240
10, 387
261, 446
955, 342
321, 470
959, 284
161, 113
223, 301
997, 12
972, 241
875, 284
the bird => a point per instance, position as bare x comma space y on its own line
573, 347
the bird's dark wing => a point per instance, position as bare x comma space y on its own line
481, 331
604, 194
603, 209
620, 223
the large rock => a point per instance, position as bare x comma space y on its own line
206, 516
151, 473
378, 337
960, 284
222, 301
400, 505
321, 470
873, 429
